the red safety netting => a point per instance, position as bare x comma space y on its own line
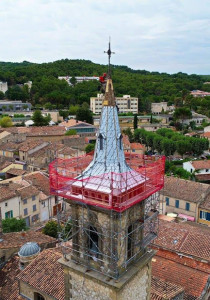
116, 191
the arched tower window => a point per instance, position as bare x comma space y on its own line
121, 142
38, 296
101, 141
93, 242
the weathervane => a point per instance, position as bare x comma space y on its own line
109, 53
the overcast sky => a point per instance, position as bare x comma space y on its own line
156, 35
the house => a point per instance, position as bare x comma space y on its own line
6, 165
9, 150
204, 211
182, 197
206, 135
197, 118
15, 282
68, 152
15, 105
19, 201
138, 148
46, 133
13, 172
82, 128
182, 259
198, 93
201, 169
30, 146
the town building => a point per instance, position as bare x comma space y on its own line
201, 169
197, 118
3, 87
82, 128
125, 104
198, 93
204, 211
78, 79
14, 105
182, 260
183, 197
161, 108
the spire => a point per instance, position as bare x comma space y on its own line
109, 99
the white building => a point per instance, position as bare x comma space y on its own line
3, 87
200, 167
197, 118
79, 79
125, 104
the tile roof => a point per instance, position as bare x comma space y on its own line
16, 172
73, 123
46, 131
29, 144
9, 289
126, 142
68, 151
27, 191
203, 177
9, 146
5, 164
206, 134
206, 203
40, 274
8, 190
162, 289
137, 146
40, 181
201, 164
192, 280
191, 240
18, 239
187, 190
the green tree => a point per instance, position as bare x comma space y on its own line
89, 148
1, 95
129, 133
48, 105
73, 109
11, 107
71, 132
182, 147
39, 119
4, 107
135, 122
73, 81
25, 106
6, 122
182, 113
84, 114
13, 225
51, 229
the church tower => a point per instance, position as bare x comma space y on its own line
114, 214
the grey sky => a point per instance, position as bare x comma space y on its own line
156, 35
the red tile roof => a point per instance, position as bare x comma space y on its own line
137, 146
9, 289
18, 239
45, 274
29, 145
184, 238
206, 134
192, 280
201, 164
16, 172
39, 180
27, 191
206, 203
162, 289
187, 190
8, 191
46, 131
203, 177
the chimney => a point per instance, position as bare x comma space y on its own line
1, 233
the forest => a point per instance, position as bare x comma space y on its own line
47, 88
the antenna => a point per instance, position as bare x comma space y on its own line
109, 53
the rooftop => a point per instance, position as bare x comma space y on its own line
9, 288
40, 274
190, 191
8, 191
184, 238
18, 239
192, 280
206, 203
162, 289
28, 191
29, 145
137, 146
16, 172
73, 123
201, 164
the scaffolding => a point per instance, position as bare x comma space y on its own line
114, 216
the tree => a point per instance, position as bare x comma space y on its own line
11, 107
25, 106
6, 122
182, 147
84, 114
89, 148
39, 119
48, 105
13, 225
4, 107
71, 132
129, 133
51, 229
135, 122
73, 109
182, 113
1, 95
168, 146
73, 81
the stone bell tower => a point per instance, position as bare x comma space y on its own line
114, 208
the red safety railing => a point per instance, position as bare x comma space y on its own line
116, 191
